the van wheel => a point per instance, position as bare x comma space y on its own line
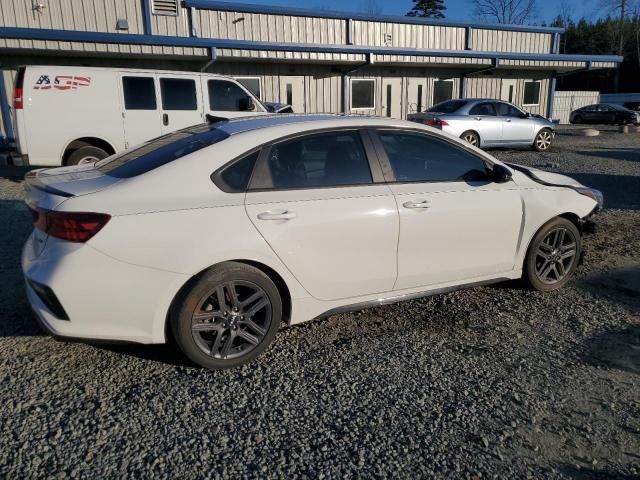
227, 317
85, 155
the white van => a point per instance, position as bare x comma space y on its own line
72, 115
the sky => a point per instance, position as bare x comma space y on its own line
456, 9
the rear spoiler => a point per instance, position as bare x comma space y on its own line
33, 181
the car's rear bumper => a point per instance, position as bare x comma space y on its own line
103, 298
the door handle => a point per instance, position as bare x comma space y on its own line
478, 118
508, 120
165, 119
277, 215
420, 204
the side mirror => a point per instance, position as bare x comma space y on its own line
500, 174
246, 104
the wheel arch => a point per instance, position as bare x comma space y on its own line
571, 216
74, 145
276, 278
480, 140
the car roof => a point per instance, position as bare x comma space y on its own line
238, 125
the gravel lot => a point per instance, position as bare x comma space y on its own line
491, 382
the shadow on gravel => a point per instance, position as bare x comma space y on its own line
621, 285
13, 173
628, 154
618, 350
592, 474
167, 354
620, 191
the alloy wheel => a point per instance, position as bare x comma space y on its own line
87, 160
555, 255
543, 140
231, 320
471, 138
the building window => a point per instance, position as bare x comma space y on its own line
363, 94
531, 92
253, 84
442, 91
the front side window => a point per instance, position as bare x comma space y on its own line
139, 93
227, 96
252, 84
363, 94
483, 109
322, 160
531, 93
416, 157
442, 91
506, 110
178, 94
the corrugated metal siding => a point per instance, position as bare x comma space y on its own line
269, 28
565, 102
505, 41
290, 56
490, 87
410, 36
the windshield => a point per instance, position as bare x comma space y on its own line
160, 151
449, 106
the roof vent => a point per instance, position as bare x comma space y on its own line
165, 7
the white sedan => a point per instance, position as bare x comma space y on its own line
219, 234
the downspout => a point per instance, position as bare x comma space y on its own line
212, 58
345, 82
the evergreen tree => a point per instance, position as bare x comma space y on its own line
427, 8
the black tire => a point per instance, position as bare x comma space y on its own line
577, 119
471, 137
534, 263
543, 140
88, 154
194, 334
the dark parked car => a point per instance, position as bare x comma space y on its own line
635, 106
605, 113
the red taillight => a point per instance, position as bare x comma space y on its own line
71, 226
436, 122
17, 98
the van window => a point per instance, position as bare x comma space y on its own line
178, 94
160, 151
225, 96
139, 93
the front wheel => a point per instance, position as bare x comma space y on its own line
543, 140
227, 317
553, 255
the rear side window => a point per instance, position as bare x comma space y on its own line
226, 96
322, 160
421, 158
485, 108
160, 151
448, 107
139, 93
178, 94
235, 177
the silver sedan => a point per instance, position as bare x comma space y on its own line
489, 123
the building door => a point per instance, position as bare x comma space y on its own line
508, 90
392, 98
292, 92
417, 95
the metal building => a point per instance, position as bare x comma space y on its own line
317, 61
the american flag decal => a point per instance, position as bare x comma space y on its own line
61, 82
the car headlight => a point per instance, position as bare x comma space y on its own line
592, 193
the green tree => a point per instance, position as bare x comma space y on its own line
427, 8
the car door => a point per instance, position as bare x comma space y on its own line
140, 108
516, 126
181, 101
455, 223
320, 203
226, 98
485, 121
590, 114
607, 114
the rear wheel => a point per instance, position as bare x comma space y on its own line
86, 155
543, 140
553, 255
577, 119
471, 137
227, 317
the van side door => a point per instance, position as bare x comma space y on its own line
224, 97
140, 108
180, 101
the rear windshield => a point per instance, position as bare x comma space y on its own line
160, 151
449, 106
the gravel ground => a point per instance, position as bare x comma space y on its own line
496, 382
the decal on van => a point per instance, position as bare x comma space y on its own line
61, 82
